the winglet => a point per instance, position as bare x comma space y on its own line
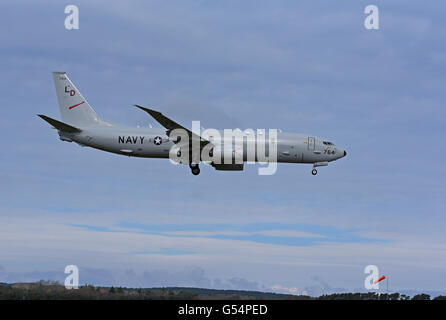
60, 125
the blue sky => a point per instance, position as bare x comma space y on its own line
298, 66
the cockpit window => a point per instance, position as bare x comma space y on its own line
328, 143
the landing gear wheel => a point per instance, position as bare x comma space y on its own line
195, 170
314, 172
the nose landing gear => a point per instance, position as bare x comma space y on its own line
318, 164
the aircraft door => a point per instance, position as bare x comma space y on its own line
311, 143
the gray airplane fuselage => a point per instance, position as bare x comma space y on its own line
143, 142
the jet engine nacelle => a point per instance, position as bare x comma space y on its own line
234, 156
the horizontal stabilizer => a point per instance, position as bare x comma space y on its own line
60, 125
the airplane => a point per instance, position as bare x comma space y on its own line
81, 124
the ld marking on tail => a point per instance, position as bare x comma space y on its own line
71, 92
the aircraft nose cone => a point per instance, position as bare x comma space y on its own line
345, 153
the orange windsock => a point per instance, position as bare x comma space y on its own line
380, 279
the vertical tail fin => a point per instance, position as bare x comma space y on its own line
74, 109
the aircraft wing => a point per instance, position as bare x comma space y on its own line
172, 125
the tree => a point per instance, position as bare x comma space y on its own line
421, 296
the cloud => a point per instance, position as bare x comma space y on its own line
236, 283
269, 233
287, 290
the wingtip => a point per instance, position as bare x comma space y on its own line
146, 109
140, 107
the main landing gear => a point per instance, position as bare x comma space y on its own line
195, 169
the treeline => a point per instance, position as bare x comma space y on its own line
376, 296
46, 290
